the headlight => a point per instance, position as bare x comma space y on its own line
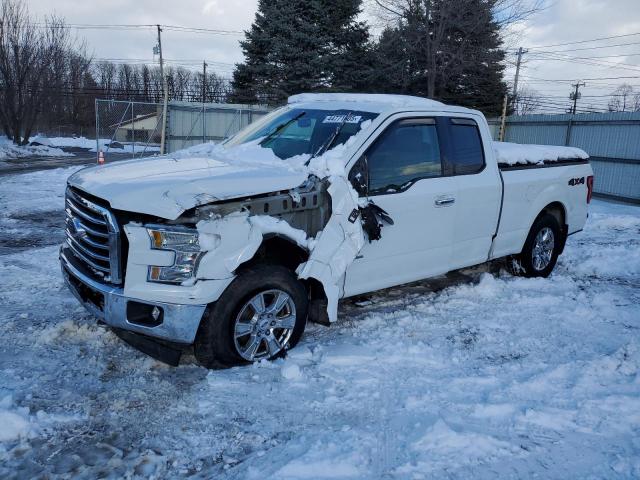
184, 243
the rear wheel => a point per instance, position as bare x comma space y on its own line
541, 249
259, 316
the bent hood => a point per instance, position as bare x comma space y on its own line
166, 187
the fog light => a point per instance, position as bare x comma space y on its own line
144, 314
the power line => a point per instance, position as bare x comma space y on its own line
127, 26
585, 48
88, 26
573, 79
607, 56
602, 63
203, 30
588, 41
171, 60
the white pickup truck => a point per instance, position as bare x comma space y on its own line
232, 247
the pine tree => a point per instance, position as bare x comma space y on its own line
444, 49
296, 46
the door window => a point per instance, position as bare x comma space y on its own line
467, 154
406, 152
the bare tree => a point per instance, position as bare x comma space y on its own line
105, 74
182, 85
30, 57
506, 12
623, 99
527, 101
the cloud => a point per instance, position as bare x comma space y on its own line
563, 21
212, 8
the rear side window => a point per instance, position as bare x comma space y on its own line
467, 154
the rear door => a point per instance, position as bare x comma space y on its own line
406, 179
479, 190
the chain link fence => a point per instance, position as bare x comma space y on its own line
135, 128
124, 127
191, 123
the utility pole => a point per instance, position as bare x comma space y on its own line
521, 51
204, 99
576, 95
165, 94
160, 52
503, 119
204, 81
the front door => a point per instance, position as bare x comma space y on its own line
406, 180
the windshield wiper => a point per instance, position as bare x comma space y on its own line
281, 127
329, 143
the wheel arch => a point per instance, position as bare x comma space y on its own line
281, 250
278, 249
557, 210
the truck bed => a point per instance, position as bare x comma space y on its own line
518, 156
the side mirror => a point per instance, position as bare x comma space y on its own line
359, 176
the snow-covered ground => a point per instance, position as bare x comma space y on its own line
481, 376
91, 144
10, 150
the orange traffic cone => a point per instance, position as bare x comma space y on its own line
100, 157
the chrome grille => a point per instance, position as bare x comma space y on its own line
93, 236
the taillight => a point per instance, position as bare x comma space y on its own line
589, 188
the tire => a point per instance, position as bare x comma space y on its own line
236, 313
536, 258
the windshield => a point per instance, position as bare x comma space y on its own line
297, 131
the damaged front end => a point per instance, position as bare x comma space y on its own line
315, 229
188, 224
293, 228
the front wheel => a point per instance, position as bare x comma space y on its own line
259, 316
541, 249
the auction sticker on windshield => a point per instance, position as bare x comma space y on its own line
341, 119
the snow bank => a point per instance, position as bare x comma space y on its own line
91, 145
291, 371
515, 153
9, 150
75, 142
442, 446
610, 259
14, 421
324, 460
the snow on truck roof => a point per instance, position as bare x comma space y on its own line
376, 102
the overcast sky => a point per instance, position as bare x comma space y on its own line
561, 22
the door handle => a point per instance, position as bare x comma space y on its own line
443, 202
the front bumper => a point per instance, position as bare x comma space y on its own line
178, 323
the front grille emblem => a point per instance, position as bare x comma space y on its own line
78, 229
